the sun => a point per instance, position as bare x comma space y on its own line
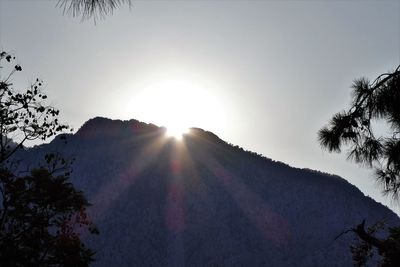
177, 105
177, 132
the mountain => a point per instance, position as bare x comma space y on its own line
200, 201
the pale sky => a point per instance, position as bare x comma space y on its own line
264, 75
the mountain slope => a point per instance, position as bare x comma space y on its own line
203, 202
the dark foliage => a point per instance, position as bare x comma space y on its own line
364, 247
376, 101
24, 116
90, 8
361, 250
42, 216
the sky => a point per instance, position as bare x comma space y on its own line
264, 75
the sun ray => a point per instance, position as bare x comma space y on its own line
175, 213
108, 193
272, 226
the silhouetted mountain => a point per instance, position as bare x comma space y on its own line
202, 202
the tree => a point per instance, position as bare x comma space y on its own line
377, 101
41, 213
90, 8
23, 115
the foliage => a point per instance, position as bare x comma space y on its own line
363, 251
90, 8
388, 248
42, 216
23, 115
377, 101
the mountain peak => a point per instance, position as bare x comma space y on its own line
101, 126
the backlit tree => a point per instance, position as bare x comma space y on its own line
42, 216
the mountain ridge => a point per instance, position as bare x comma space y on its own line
99, 123
202, 201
